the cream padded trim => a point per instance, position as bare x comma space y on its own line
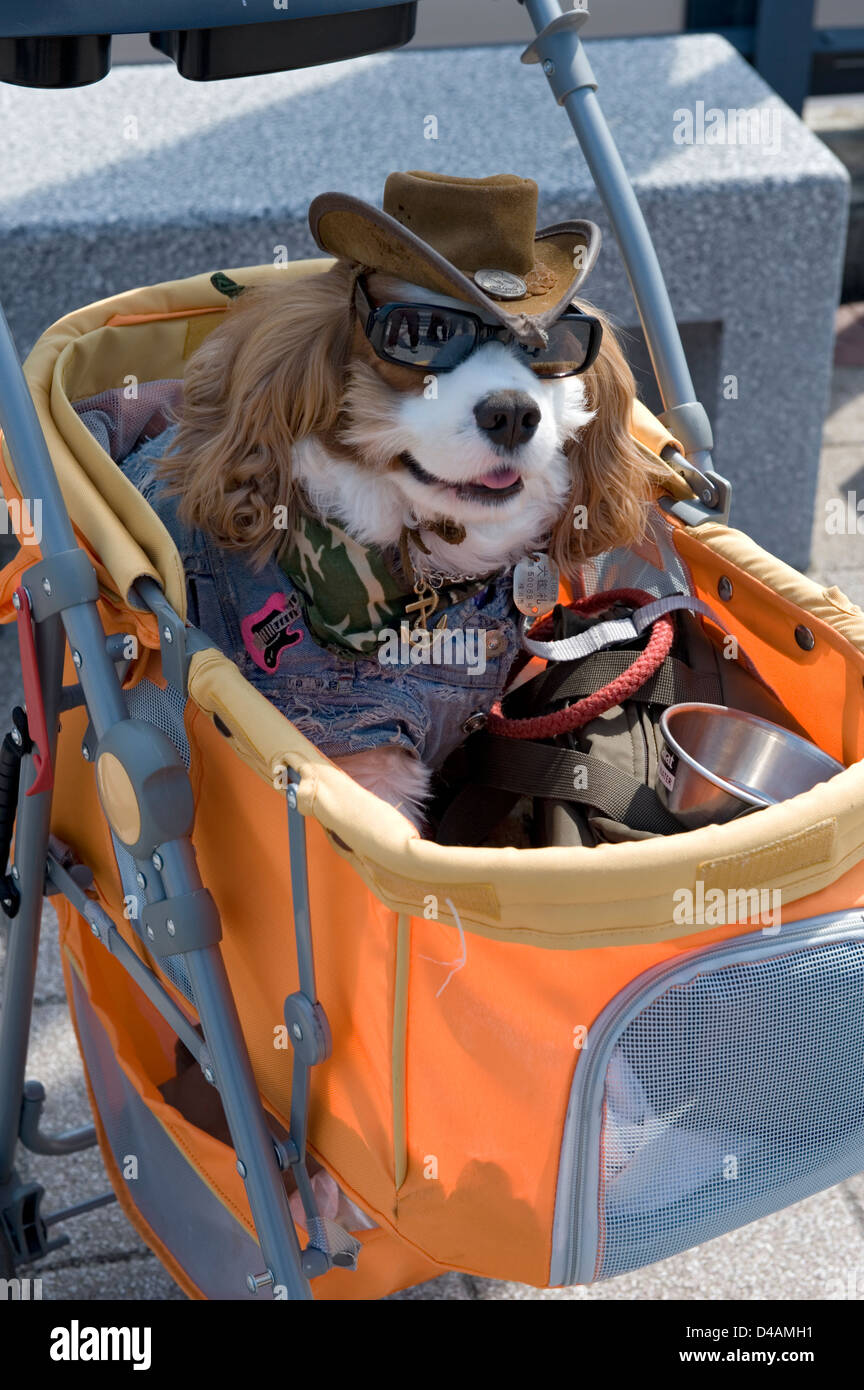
79, 356
557, 897
831, 605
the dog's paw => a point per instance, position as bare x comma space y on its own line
395, 775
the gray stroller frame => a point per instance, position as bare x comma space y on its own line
57, 604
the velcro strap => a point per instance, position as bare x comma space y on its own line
673, 684
541, 769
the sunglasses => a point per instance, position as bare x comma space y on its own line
438, 338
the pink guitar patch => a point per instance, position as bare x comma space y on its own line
270, 631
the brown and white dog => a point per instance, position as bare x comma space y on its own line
289, 398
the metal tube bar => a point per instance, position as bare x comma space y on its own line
81, 1208
179, 867
256, 1155
36, 478
70, 1141
300, 896
97, 675
640, 258
628, 223
110, 937
31, 849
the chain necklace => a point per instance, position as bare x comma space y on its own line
427, 583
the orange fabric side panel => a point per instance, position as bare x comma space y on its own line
490, 1063
487, 1069
843, 895
822, 687
241, 837
385, 1265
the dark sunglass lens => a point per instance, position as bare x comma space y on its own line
567, 349
422, 336
402, 330
441, 328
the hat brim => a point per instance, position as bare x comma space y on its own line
355, 231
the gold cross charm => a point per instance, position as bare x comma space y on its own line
427, 602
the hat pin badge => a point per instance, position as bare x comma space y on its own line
500, 284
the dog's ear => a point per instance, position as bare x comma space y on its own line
613, 482
270, 375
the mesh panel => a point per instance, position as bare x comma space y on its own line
175, 970
119, 423
729, 1097
164, 709
657, 567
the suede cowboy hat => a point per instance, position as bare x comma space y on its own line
471, 239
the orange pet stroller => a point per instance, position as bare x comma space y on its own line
520, 1063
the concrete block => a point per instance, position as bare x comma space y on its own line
145, 177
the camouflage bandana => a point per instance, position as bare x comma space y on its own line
353, 591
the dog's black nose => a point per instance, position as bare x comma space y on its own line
510, 418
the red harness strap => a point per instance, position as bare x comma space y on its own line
582, 712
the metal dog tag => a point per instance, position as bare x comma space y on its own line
535, 585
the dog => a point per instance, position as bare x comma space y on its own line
299, 405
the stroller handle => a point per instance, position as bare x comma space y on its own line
559, 49
58, 17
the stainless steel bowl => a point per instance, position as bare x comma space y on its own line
717, 763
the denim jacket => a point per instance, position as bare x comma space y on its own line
342, 703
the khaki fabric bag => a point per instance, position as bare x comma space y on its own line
595, 785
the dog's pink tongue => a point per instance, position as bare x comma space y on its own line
502, 477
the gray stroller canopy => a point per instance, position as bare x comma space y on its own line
58, 45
